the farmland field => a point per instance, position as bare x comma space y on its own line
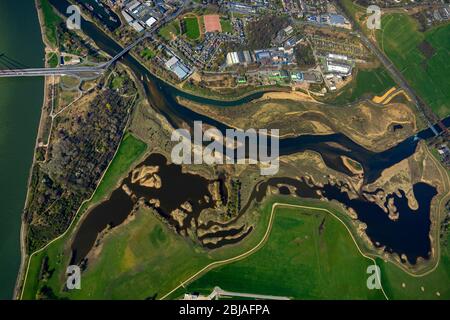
367, 83
421, 57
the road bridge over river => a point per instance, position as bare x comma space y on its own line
71, 70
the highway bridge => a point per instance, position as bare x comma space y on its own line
89, 70
70, 70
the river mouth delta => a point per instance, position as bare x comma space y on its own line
330, 147
389, 200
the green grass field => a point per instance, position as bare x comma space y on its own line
300, 260
226, 25
130, 150
400, 40
366, 84
169, 30
192, 27
51, 21
147, 53
145, 259
140, 260
308, 254
52, 60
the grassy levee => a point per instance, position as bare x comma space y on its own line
309, 255
400, 39
130, 150
51, 20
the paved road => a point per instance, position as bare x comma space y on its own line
71, 70
219, 292
50, 71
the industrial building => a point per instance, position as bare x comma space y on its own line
338, 68
239, 57
176, 66
141, 15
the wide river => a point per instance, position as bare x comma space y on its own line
20, 107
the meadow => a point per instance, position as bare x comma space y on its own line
366, 84
130, 150
51, 21
309, 255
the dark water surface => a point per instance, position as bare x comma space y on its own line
176, 188
20, 107
408, 235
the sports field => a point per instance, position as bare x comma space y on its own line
192, 27
423, 58
212, 23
